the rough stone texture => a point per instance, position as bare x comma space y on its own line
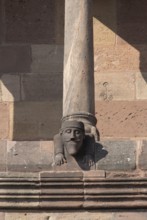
99, 37
104, 22
35, 120
143, 156
15, 59
132, 25
2, 215
116, 155
78, 85
114, 86
42, 87
141, 86
3, 151
23, 156
122, 118
142, 215
47, 58
10, 87
47, 154
29, 156
116, 59
37, 23
1, 22
4, 120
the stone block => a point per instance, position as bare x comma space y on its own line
29, 156
119, 155
122, 118
35, 120
141, 86
102, 34
4, 120
42, 87
131, 16
10, 87
25, 215
47, 154
41, 21
15, 59
116, 59
24, 156
3, 150
104, 22
143, 156
1, 22
129, 215
114, 86
2, 215
47, 58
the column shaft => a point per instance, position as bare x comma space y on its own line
78, 85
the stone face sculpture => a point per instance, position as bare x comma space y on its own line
73, 140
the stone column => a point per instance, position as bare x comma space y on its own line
78, 89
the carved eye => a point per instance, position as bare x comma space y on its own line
68, 131
77, 132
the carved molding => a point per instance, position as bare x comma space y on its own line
71, 190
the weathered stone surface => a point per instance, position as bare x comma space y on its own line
47, 154
31, 156
10, 87
141, 86
59, 21
122, 118
141, 215
76, 215
62, 175
2, 215
35, 120
24, 156
39, 22
143, 155
132, 24
102, 34
1, 21
42, 87
104, 22
4, 120
25, 216
3, 150
114, 86
116, 59
78, 90
15, 59
47, 58
119, 155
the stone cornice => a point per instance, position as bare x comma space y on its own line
71, 190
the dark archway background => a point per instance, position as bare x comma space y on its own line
31, 58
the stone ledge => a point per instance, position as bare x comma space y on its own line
71, 190
37, 156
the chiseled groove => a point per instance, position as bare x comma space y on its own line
87, 194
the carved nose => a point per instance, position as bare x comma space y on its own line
72, 136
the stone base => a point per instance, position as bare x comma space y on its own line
74, 215
71, 190
28, 180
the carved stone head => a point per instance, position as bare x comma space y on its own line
73, 134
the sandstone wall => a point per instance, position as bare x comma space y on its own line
31, 70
